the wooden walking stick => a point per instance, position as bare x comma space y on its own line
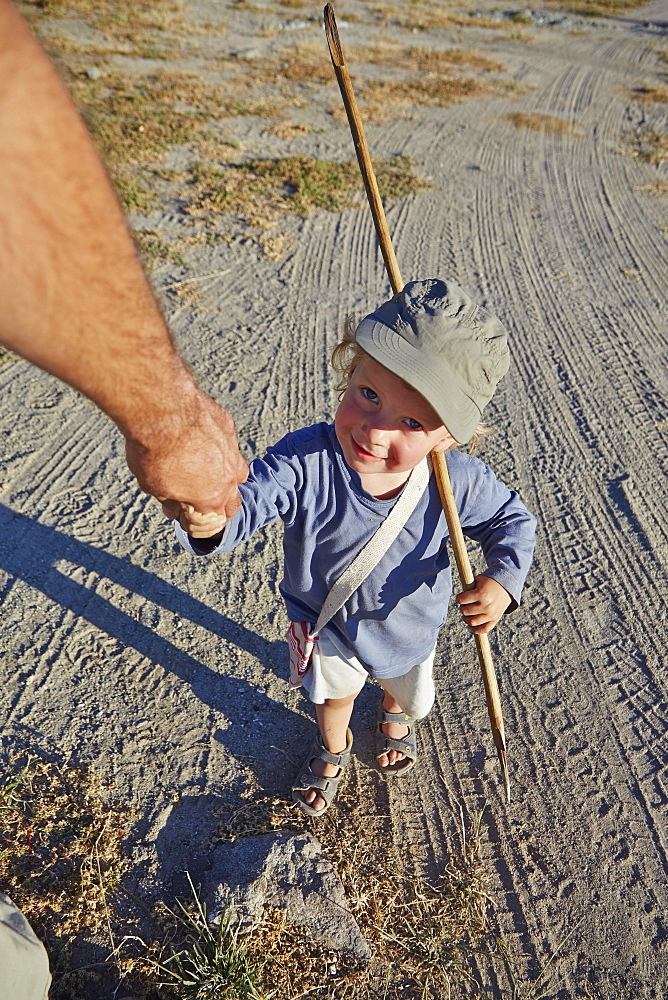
438, 458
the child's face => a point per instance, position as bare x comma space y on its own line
385, 426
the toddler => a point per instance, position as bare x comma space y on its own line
416, 376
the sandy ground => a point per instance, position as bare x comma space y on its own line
172, 678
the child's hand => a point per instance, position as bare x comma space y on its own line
196, 524
483, 606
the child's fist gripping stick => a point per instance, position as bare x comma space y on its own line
484, 605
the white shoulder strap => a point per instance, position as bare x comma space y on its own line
374, 550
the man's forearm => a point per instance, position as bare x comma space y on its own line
75, 301
74, 297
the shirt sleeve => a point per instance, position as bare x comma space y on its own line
495, 517
269, 493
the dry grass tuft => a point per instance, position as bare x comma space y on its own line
657, 188
595, 8
309, 67
288, 130
541, 123
60, 855
428, 15
381, 99
252, 197
438, 83
118, 19
137, 120
424, 60
649, 146
61, 861
420, 931
305, 63
253, 814
658, 95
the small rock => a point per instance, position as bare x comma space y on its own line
93, 72
287, 871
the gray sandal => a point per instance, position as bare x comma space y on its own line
407, 745
325, 787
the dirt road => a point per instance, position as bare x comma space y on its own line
173, 679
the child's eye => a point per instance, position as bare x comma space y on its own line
413, 424
370, 394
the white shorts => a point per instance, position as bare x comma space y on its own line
336, 673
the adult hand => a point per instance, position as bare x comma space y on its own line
484, 605
194, 469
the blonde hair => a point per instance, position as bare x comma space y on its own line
347, 355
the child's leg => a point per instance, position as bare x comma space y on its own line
412, 694
395, 730
333, 719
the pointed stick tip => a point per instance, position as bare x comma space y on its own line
507, 784
504, 769
333, 40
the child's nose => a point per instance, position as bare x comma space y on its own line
376, 433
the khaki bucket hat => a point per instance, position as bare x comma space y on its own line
454, 352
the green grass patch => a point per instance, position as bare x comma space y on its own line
298, 184
306, 183
7, 357
209, 961
133, 192
153, 249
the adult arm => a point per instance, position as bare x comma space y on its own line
75, 300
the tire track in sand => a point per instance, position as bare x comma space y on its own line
584, 696
584, 551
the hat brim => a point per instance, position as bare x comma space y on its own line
439, 387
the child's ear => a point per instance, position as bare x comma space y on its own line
446, 442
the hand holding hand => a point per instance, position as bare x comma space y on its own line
197, 525
484, 605
193, 471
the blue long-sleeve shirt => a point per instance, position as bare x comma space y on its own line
391, 622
